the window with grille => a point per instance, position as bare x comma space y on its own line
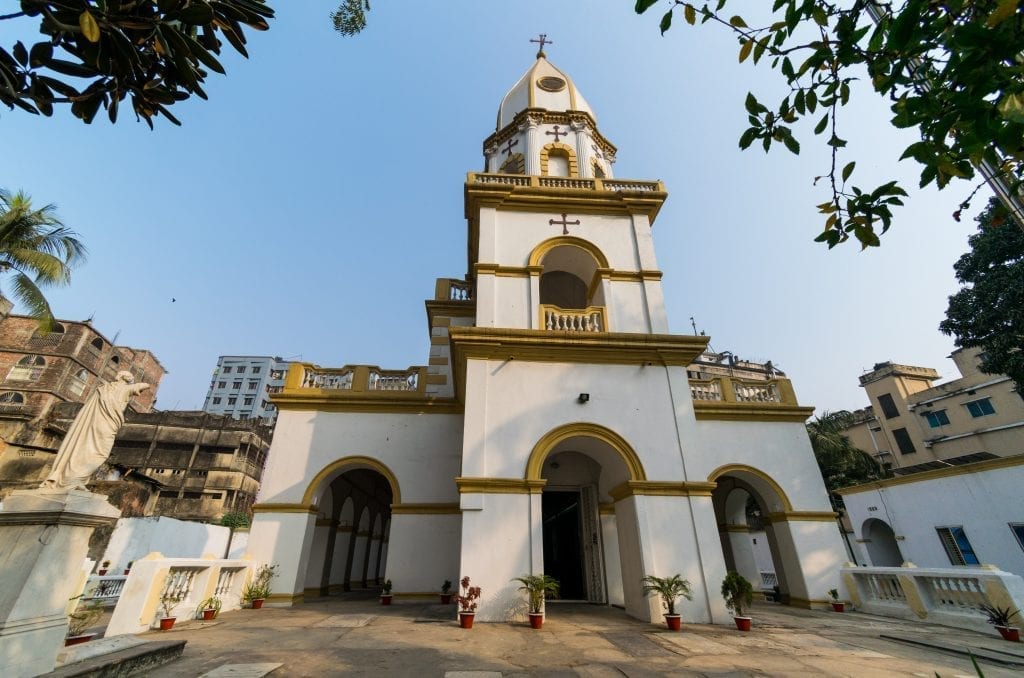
28, 368
958, 546
937, 419
980, 408
903, 441
11, 401
41, 338
77, 383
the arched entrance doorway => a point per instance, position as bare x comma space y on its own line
586, 546
883, 550
744, 501
354, 497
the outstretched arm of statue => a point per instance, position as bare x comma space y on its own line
136, 389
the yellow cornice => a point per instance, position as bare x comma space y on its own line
398, 402
499, 485
448, 309
948, 472
500, 271
285, 508
425, 509
543, 116
609, 348
803, 516
558, 200
716, 409
661, 488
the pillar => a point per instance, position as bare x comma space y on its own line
283, 534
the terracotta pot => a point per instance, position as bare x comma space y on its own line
385, 599
466, 619
257, 603
167, 623
128, 571
81, 638
839, 607
101, 571
446, 599
742, 623
1011, 633
209, 614
674, 621
536, 620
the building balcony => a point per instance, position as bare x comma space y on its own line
744, 399
556, 319
451, 289
536, 181
355, 388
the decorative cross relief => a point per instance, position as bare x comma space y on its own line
511, 143
557, 134
564, 223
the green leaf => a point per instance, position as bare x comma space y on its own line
1012, 107
745, 49
848, 170
20, 53
666, 22
643, 5
197, 14
820, 127
748, 138
90, 29
738, 22
792, 144
690, 14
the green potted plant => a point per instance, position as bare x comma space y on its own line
128, 567
82, 618
385, 596
738, 594
467, 600
837, 605
104, 566
537, 587
446, 592
670, 589
210, 608
169, 598
258, 589
1000, 617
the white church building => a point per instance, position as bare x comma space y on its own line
558, 426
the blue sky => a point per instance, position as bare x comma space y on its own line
306, 208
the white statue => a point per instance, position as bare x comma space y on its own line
91, 436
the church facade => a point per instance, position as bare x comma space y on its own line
559, 427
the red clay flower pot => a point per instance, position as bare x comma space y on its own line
208, 615
839, 607
1010, 633
446, 599
536, 620
167, 623
257, 603
102, 571
385, 600
674, 621
82, 638
742, 623
466, 619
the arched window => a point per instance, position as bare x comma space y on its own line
79, 380
599, 170
558, 160
514, 164
11, 401
28, 368
558, 164
43, 339
97, 344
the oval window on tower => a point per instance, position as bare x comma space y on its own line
551, 84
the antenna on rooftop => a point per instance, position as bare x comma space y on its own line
116, 335
693, 324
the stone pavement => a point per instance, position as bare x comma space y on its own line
357, 636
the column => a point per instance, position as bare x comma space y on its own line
282, 534
532, 151
804, 538
583, 153
342, 539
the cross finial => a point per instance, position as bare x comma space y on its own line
543, 40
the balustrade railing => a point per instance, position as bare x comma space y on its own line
948, 596
565, 182
706, 390
590, 319
105, 589
609, 185
733, 390
328, 379
353, 379
747, 392
394, 381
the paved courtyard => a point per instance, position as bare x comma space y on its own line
357, 636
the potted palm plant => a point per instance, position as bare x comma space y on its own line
82, 618
257, 590
837, 605
446, 592
169, 598
537, 587
738, 594
670, 589
210, 608
385, 596
467, 603
1000, 617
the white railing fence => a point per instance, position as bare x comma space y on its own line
190, 580
947, 596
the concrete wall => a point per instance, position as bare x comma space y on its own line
134, 538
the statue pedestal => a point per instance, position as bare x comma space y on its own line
44, 538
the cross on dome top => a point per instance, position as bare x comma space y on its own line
543, 40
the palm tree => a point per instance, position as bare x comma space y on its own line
38, 250
841, 464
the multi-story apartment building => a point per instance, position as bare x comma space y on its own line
39, 370
242, 385
914, 425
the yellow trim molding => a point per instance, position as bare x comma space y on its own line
547, 442
803, 516
541, 250
499, 485
425, 509
305, 507
948, 472
705, 410
819, 603
290, 598
559, 148
741, 469
660, 488
400, 404
606, 508
347, 463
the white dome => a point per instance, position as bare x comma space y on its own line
543, 86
